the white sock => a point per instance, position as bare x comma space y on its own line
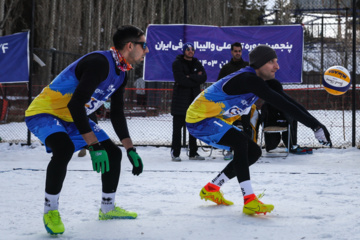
246, 188
107, 202
51, 202
220, 179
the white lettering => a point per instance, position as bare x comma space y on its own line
4, 47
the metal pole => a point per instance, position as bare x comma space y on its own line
322, 47
354, 78
31, 63
185, 22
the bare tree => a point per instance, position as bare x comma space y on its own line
2, 15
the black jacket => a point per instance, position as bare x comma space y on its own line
231, 67
186, 88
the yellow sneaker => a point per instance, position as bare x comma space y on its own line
53, 223
117, 213
212, 192
253, 205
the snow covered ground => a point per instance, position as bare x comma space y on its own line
315, 197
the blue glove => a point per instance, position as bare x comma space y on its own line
323, 136
135, 161
99, 158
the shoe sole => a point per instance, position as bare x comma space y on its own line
248, 211
211, 198
50, 231
124, 217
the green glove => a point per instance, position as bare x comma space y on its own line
99, 158
135, 161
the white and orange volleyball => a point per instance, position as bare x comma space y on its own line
336, 80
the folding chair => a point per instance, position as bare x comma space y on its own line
275, 129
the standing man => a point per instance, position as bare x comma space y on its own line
58, 116
235, 64
189, 74
210, 117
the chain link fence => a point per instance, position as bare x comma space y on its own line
328, 42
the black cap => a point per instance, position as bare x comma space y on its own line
261, 55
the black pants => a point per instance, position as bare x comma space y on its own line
246, 153
63, 149
178, 124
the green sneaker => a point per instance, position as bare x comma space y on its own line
117, 213
253, 205
53, 223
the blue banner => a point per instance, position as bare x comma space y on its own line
14, 58
213, 48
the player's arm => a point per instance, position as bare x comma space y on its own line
277, 86
91, 71
250, 83
117, 117
119, 123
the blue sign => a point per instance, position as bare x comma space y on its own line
14, 58
213, 48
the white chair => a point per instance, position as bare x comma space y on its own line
275, 129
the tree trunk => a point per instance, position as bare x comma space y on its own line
2, 16
50, 44
89, 26
98, 25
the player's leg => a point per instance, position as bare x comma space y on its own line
110, 181
62, 149
243, 148
212, 131
52, 132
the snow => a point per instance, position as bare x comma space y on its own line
316, 196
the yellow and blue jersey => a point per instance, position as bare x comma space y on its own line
213, 102
55, 97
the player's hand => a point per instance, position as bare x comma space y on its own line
323, 136
135, 161
99, 158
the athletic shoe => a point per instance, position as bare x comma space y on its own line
196, 157
212, 192
298, 150
308, 150
253, 205
117, 213
228, 156
175, 158
53, 223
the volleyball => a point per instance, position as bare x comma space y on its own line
336, 80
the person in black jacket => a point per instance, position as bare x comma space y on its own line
189, 74
236, 62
